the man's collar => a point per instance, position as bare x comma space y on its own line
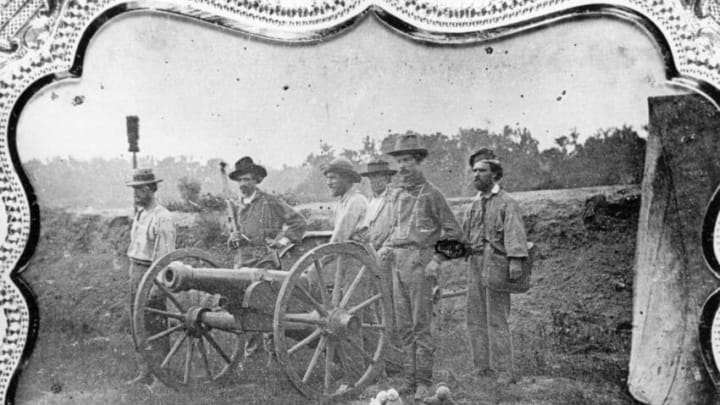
495, 189
247, 200
350, 191
413, 180
381, 195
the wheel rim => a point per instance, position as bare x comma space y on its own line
183, 353
330, 340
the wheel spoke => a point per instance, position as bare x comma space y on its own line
337, 284
305, 341
313, 361
321, 282
188, 360
203, 354
173, 315
217, 347
307, 319
329, 358
359, 349
318, 307
172, 351
165, 333
353, 286
169, 295
347, 364
364, 303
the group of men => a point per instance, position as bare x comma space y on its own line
402, 222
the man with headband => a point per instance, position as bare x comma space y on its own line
493, 225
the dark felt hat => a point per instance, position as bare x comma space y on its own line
481, 154
344, 167
408, 144
378, 167
246, 165
142, 177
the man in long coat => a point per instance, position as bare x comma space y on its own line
493, 225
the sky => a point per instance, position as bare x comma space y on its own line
207, 92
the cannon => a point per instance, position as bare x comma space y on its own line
328, 316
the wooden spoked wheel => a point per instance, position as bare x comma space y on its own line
182, 351
330, 322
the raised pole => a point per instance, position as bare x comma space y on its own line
132, 123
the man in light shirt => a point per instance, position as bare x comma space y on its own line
151, 237
377, 221
351, 209
376, 229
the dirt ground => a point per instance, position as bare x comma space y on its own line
571, 331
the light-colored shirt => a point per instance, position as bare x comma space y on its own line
349, 216
496, 218
152, 234
377, 224
420, 215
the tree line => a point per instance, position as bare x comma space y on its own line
610, 156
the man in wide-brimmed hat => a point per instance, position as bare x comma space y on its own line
377, 220
493, 225
152, 236
420, 216
377, 227
264, 224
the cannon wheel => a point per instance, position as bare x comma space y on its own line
330, 340
195, 353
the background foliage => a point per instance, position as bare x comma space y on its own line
610, 156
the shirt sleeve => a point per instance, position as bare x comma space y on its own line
164, 237
294, 224
350, 219
515, 238
450, 228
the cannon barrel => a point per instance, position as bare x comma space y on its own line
230, 283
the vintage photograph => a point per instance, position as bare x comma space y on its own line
366, 219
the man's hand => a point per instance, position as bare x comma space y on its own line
278, 244
515, 269
237, 239
432, 270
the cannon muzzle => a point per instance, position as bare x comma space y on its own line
229, 283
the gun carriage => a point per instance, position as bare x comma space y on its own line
327, 315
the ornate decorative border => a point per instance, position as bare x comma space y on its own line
44, 40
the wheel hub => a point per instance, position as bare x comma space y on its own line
194, 327
342, 323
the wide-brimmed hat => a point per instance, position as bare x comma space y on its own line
378, 167
408, 144
344, 167
246, 165
481, 154
142, 177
